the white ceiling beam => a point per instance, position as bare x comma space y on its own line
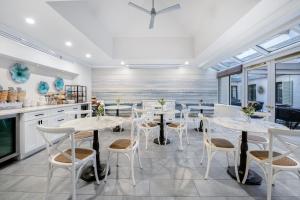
255, 27
260, 50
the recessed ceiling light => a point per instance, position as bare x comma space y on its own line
68, 43
186, 62
88, 55
122, 63
29, 20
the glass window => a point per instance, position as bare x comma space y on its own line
282, 40
230, 63
258, 87
287, 94
248, 55
235, 89
252, 92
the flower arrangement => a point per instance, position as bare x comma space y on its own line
249, 110
100, 109
162, 101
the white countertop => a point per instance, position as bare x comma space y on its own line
36, 108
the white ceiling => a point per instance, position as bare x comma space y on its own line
112, 31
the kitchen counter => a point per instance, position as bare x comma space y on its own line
36, 108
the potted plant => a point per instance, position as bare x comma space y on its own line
249, 111
100, 110
162, 102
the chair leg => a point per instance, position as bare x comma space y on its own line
186, 135
246, 170
50, 173
73, 182
107, 167
227, 157
95, 170
180, 140
209, 158
203, 153
269, 183
146, 136
132, 168
236, 166
139, 157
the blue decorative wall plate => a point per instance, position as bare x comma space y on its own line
19, 73
59, 84
43, 87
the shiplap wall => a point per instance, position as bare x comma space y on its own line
133, 85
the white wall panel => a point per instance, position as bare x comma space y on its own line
133, 85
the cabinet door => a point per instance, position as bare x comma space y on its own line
31, 135
55, 121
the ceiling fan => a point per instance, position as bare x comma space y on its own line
153, 11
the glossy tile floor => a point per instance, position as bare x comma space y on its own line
167, 174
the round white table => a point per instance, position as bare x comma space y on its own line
94, 124
201, 108
118, 108
254, 126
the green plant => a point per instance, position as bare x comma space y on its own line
249, 110
100, 110
162, 101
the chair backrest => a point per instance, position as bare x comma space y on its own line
54, 148
206, 128
184, 115
289, 141
135, 130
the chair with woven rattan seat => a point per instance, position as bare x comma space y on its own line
281, 161
82, 136
72, 159
212, 145
179, 127
128, 147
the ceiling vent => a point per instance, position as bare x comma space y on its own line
28, 43
154, 66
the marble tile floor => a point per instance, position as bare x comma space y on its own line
167, 174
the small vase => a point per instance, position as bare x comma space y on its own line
248, 119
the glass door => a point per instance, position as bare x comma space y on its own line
287, 92
257, 88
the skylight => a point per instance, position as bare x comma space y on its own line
282, 40
230, 62
248, 55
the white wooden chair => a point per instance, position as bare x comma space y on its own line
179, 127
192, 118
280, 161
148, 125
82, 136
212, 145
72, 159
127, 146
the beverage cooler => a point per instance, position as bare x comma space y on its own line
8, 137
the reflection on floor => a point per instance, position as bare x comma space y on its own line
167, 174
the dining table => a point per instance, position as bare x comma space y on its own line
94, 124
201, 109
244, 126
117, 108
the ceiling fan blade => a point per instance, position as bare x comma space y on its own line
139, 7
169, 9
151, 25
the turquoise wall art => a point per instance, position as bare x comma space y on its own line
59, 84
43, 87
19, 73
